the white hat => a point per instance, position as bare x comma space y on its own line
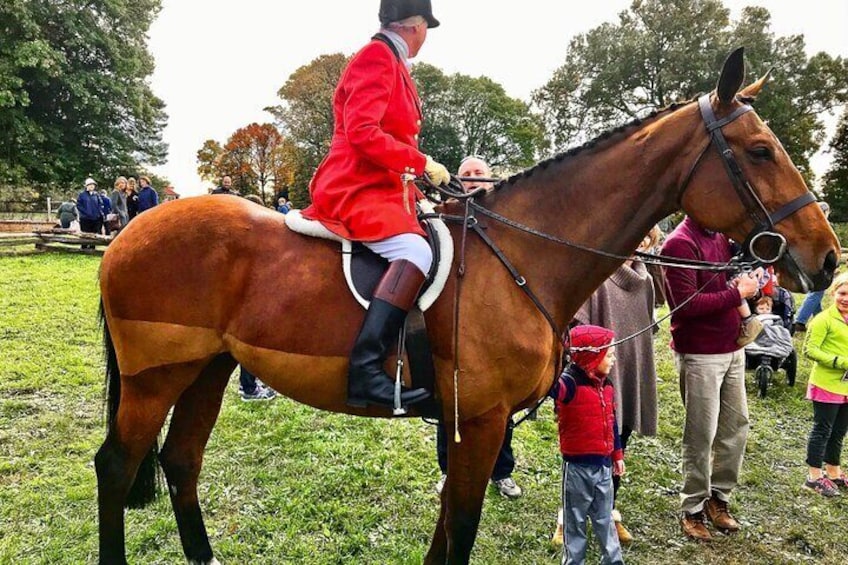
89, 181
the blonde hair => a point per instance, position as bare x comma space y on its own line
840, 280
131, 183
120, 180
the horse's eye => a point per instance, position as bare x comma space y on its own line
760, 153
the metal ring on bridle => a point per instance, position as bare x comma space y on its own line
780, 250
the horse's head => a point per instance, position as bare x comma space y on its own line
749, 189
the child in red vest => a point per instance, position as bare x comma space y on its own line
590, 445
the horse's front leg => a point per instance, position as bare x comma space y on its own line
470, 465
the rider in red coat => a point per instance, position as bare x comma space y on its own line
363, 189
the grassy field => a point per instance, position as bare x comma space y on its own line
283, 483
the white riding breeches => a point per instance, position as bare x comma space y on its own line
408, 246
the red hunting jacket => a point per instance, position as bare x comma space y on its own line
357, 190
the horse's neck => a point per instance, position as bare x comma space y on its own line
606, 198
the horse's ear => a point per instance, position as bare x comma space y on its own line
732, 76
752, 90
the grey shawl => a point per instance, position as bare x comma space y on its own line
624, 303
119, 205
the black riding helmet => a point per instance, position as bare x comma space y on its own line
397, 10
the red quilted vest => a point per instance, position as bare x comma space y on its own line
586, 424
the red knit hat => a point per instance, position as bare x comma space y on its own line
590, 336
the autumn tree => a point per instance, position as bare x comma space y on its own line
305, 117
652, 57
209, 160
75, 99
254, 156
474, 116
835, 190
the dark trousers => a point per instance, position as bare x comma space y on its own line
247, 382
90, 226
504, 464
616, 479
830, 422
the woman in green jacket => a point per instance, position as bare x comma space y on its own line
827, 345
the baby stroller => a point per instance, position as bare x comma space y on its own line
772, 350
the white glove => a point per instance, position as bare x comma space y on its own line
436, 171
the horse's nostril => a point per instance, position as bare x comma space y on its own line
830, 262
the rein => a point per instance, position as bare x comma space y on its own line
764, 227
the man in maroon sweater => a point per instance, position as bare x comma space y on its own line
712, 376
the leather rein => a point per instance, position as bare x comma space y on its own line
764, 221
764, 227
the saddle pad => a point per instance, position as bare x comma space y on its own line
363, 268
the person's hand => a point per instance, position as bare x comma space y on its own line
436, 171
618, 468
748, 285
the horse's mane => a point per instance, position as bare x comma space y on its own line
541, 165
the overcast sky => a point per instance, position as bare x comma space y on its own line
219, 65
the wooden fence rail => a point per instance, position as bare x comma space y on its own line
55, 241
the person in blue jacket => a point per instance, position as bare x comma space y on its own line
90, 208
147, 197
106, 208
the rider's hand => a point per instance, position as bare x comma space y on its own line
436, 171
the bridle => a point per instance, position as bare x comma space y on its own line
764, 226
764, 221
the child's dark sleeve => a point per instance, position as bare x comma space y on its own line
618, 452
563, 389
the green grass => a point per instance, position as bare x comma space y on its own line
283, 483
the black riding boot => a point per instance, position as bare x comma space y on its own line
367, 382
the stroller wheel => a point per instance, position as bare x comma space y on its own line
763, 376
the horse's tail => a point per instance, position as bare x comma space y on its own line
147, 479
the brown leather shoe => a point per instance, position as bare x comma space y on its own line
716, 511
694, 527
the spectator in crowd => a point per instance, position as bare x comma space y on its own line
108, 216
505, 464
624, 303
711, 366
132, 199
812, 301
90, 210
589, 443
147, 197
826, 344
119, 201
67, 213
226, 186
283, 207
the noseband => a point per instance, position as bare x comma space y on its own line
764, 221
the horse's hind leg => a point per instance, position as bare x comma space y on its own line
145, 399
182, 455
470, 465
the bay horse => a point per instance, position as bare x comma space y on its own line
176, 350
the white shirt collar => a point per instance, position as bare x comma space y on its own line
399, 44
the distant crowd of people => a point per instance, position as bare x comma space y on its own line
98, 212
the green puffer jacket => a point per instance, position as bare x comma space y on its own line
827, 345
